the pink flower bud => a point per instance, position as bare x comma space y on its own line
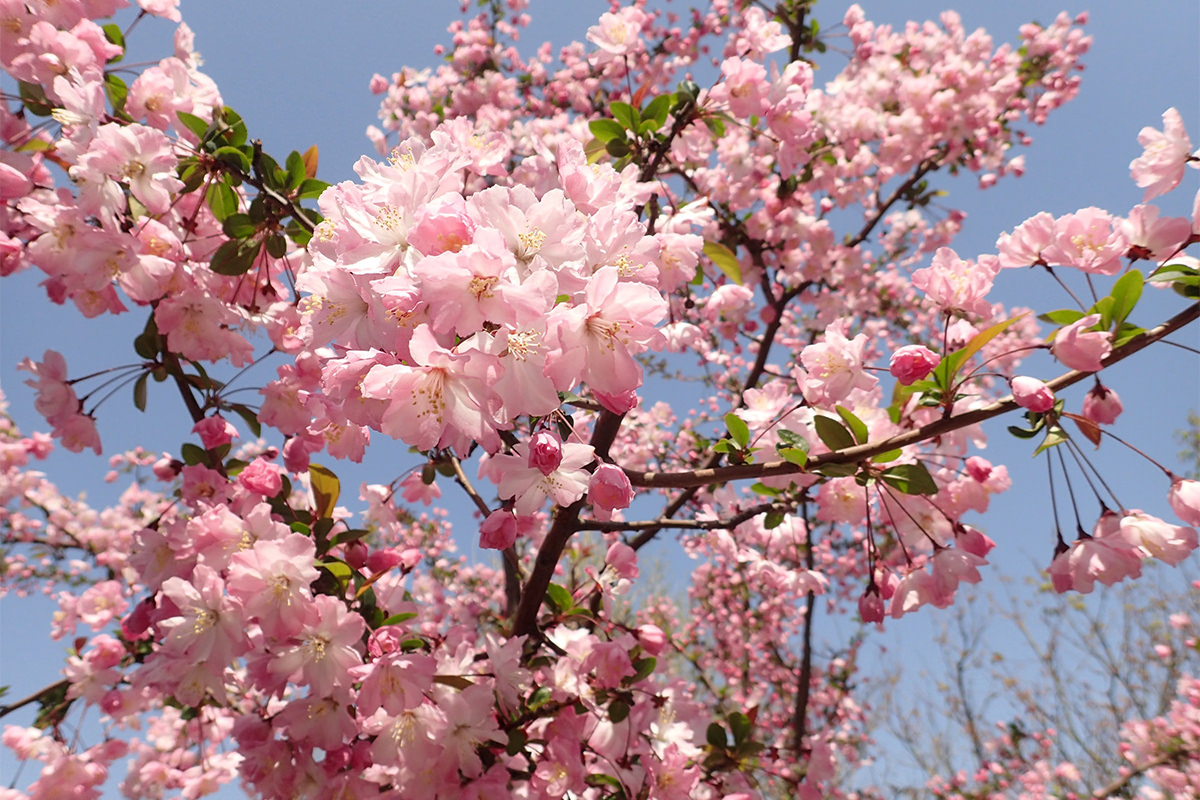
356, 554
499, 530
973, 541
622, 558
912, 363
870, 605
1032, 394
545, 452
166, 468
651, 638
1101, 405
1184, 498
1080, 348
609, 489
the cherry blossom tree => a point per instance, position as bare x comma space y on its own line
544, 245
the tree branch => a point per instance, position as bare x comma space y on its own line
862, 452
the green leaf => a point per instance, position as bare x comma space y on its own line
740, 726
594, 150
222, 200
139, 391
960, 357
773, 519
1062, 316
657, 110
1125, 333
793, 455
606, 130
193, 454
856, 425
295, 169
625, 114
598, 779
889, 455
1104, 307
34, 98
311, 188
234, 258
516, 742
234, 158
231, 130
642, 669
276, 246
764, 490
116, 91
1054, 435
715, 735
539, 698
1125, 294
248, 417
239, 226
910, 479
396, 619
738, 430
1178, 274
835, 435
326, 487
113, 33
618, 710
617, 148
560, 597
338, 569
725, 259
193, 123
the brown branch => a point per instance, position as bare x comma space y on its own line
1122, 782
511, 564
804, 679
5, 710
566, 522
862, 452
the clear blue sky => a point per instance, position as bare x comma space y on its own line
298, 74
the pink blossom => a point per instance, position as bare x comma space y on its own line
1025, 245
1032, 394
1102, 405
1092, 559
597, 339
529, 486
617, 34
1184, 497
1159, 539
442, 226
743, 87
834, 367
956, 285
1159, 168
325, 650
261, 477
1082, 349
1089, 240
912, 363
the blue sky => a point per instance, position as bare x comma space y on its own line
298, 74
